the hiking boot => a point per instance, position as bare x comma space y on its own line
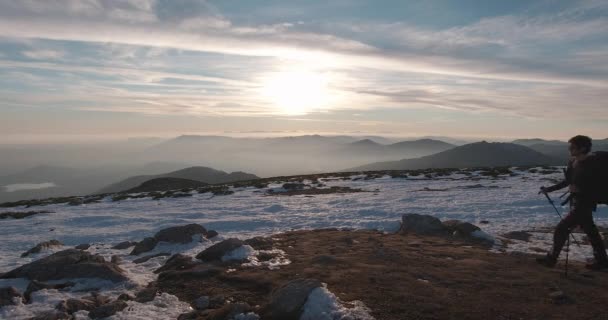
597, 265
548, 261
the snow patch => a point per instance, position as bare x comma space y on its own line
482, 235
239, 254
322, 304
279, 259
164, 306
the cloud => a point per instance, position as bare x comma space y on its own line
529, 65
44, 54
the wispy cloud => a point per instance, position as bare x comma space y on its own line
184, 56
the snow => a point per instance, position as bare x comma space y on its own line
510, 203
239, 254
322, 304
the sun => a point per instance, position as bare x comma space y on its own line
296, 92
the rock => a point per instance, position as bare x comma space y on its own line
217, 301
422, 224
146, 258
68, 264
180, 234
146, 295
124, 245
116, 259
460, 228
229, 311
51, 315
34, 286
211, 234
42, 246
107, 310
83, 246
218, 250
74, 305
287, 301
125, 297
7, 296
177, 262
324, 259
518, 235
293, 186
148, 244
260, 243
201, 303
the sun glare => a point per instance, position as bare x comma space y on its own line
296, 92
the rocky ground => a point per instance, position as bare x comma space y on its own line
428, 270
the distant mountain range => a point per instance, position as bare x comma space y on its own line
200, 174
556, 148
479, 154
165, 184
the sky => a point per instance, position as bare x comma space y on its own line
110, 68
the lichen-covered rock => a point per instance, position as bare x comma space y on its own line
68, 264
218, 250
34, 286
422, 224
287, 301
460, 228
42, 246
8, 295
107, 310
177, 262
148, 244
180, 234
124, 245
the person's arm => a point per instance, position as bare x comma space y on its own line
554, 187
560, 185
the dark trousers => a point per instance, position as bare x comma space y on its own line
581, 214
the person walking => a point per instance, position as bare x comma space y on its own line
583, 202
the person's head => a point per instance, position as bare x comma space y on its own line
579, 145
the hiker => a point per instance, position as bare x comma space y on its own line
583, 202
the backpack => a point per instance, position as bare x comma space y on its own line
600, 176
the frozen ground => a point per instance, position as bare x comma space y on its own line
507, 204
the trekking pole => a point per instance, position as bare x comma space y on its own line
560, 216
567, 253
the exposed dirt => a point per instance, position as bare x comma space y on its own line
411, 277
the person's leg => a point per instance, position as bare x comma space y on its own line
599, 250
562, 232
560, 235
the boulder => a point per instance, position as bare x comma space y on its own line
51, 315
34, 286
125, 297
293, 186
68, 264
211, 234
422, 224
83, 246
146, 295
108, 310
42, 246
218, 250
287, 301
518, 235
124, 245
201, 303
146, 258
460, 228
74, 305
148, 244
115, 259
177, 262
180, 234
260, 243
7, 296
